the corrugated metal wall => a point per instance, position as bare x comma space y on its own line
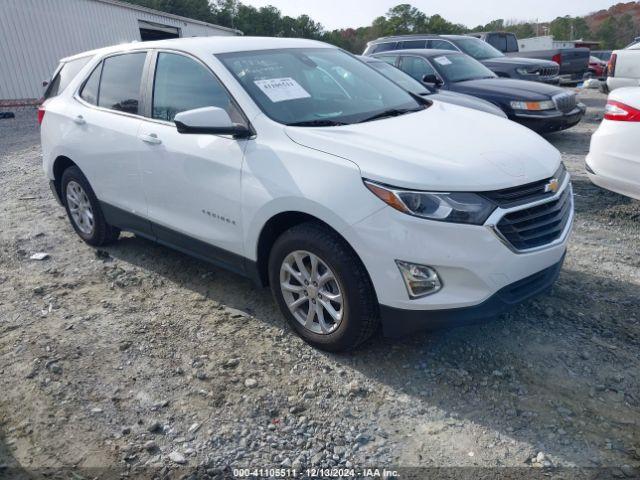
35, 34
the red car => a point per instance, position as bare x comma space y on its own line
597, 67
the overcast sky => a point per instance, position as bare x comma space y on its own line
356, 13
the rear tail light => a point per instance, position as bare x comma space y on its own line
621, 112
41, 112
557, 58
611, 67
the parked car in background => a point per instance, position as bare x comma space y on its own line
419, 88
495, 60
603, 55
613, 161
624, 68
292, 162
597, 68
573, 62
543, 108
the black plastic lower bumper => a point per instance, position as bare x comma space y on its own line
542, 124
398, 322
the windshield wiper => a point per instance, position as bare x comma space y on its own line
392, 112
316, 123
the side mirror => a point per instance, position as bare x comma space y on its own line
209, 120
432, 80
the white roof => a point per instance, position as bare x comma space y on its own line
211, 45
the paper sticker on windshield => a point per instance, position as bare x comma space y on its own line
443, 60
281, 89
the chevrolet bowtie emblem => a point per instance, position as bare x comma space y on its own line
552, 186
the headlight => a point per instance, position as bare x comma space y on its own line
535, 106
456, 207
528, 71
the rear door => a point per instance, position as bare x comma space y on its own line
192, 181
103, 136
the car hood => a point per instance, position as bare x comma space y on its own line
444, 147
518, 62
468, 101
507, 88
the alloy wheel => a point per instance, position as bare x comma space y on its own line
80, 208
312, 292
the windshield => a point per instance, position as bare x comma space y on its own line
317, 86
456, 67
401, 78
477, 48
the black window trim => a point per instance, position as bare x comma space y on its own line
149, 81
100, 62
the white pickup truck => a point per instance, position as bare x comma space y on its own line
624, 67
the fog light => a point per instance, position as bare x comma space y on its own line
420, 280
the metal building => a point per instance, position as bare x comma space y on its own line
35, 34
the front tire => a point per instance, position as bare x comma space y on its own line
83, 209
322, 288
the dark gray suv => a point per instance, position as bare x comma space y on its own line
509, 67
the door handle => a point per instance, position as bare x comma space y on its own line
79, 120
152, 138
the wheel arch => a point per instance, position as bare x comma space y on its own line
60, 164
276, 226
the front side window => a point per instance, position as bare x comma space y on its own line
183, 84
456, 67
416, 67
63, 77
478, 49
399, 77
315, 86
120, 82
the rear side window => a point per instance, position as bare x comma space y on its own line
413, 44
120, 82
89, 91
65, 74
183, 84
441, 45
384, 47
498, 41
512, 43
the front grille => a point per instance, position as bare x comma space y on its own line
538, 225
565, 102
549, 71
529, 193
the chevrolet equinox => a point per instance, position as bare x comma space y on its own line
294, 163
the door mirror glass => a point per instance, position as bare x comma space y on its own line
212, 120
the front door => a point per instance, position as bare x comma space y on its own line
192, 181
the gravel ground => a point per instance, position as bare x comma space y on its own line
139, 360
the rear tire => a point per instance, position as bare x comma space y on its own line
83, 209
344, 312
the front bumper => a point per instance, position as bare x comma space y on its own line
397, 322
552, 121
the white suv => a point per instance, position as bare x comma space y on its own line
296, 164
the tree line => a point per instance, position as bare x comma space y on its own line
614, 32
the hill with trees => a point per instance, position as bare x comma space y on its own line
614, 27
